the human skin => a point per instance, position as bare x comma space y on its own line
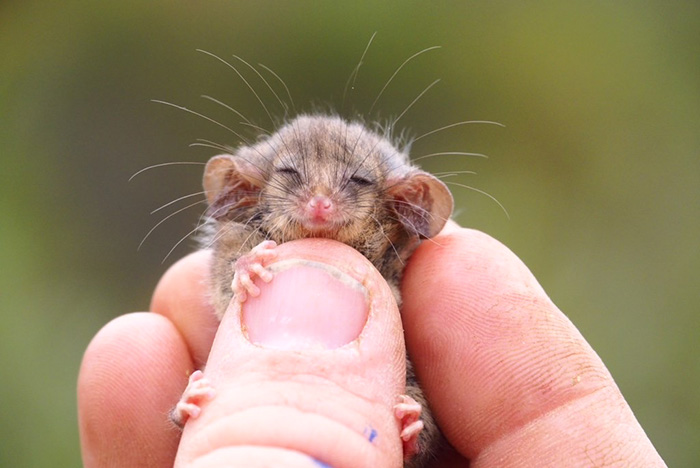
510, 380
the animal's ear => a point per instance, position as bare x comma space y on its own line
230, 182
422, 202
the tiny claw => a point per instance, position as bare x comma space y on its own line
188, 409
262, 272
241, 297
245, 281
412, 431
407, 407
253, 291
266, 246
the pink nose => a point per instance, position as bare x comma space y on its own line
320, 207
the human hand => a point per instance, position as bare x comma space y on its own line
510, 380
318, 394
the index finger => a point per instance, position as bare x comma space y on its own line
510, 379
182, 296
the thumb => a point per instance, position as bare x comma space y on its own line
307, 373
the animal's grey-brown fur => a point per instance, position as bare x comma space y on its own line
382, 206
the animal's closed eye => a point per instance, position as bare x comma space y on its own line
361, 181
287, 170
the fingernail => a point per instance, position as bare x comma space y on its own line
307, 305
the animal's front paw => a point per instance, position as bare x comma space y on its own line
198, 389
407, 412
249, 266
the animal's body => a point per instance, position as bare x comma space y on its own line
322, 176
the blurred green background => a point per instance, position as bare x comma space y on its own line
598, 166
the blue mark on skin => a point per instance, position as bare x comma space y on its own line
321, 464
370, 433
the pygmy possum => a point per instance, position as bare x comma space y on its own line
320, 176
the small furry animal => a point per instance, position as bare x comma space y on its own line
323, 176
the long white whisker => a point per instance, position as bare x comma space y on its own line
414, 101
177, 200
406, 220
257, 229
212, 144
226, 106
481, 192
397, 72
174, 163
355, 72
242, 78
202, 116
398, 257
256, 127
448, 153
443, 175
197, 228
219, 234
282, 103
417, 208
466, 122
283, 84
165, 219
